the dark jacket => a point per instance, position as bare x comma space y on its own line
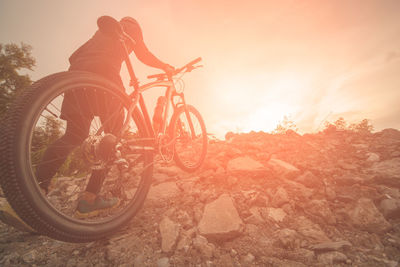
103, 54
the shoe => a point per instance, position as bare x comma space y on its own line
9, 217
86, 209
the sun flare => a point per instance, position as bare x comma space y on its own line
259, 104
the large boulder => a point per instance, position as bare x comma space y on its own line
367, 217
390, 208
244, 164
283, 168
321, 209
297, 191
390, 167
220, 219
387, 172
310, 180
388, 136
311, 231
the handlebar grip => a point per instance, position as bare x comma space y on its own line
189, 67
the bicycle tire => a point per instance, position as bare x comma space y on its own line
17, 178
197, 158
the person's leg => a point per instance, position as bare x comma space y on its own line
90, 203
76, 131
112, 122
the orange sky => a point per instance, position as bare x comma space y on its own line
310, 60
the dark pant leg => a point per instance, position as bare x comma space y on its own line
77, 130
112, 123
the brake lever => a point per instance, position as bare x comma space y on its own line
191, 67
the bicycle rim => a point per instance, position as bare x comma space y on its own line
126, 178
190, 136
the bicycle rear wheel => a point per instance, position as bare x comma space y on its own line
189, 132
33, 124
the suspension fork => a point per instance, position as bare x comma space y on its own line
189, 119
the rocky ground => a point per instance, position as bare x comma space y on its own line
331, 198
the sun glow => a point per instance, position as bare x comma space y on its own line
259, 104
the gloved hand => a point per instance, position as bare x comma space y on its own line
169, 70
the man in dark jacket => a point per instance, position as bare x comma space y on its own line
102, 54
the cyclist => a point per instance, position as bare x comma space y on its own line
102, 54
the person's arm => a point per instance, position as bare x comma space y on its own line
132, 28
145, 56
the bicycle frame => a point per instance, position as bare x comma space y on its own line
138, 100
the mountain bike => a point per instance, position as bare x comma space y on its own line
127, 155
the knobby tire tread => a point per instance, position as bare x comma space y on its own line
173, 122
9, 181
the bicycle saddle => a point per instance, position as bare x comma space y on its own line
109, 26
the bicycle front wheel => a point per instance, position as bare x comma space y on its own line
97, 107
190, 138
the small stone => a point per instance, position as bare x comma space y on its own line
169, 233
311, 230
331, 246
255, 217
276, 214
202, 245
163, 262
163, 191
321, 209
390, 208
225, 260
185, 239
30, 256
138, 261
249, 258
170, 170
330, 193
310, 180
389, 192
287, 238
373, 157
72, 262
233, 253
347, 166
10, 258
330, 258
280, 197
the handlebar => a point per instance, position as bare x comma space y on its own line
189, 67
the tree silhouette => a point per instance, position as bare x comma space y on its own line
13, 59
285, 125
